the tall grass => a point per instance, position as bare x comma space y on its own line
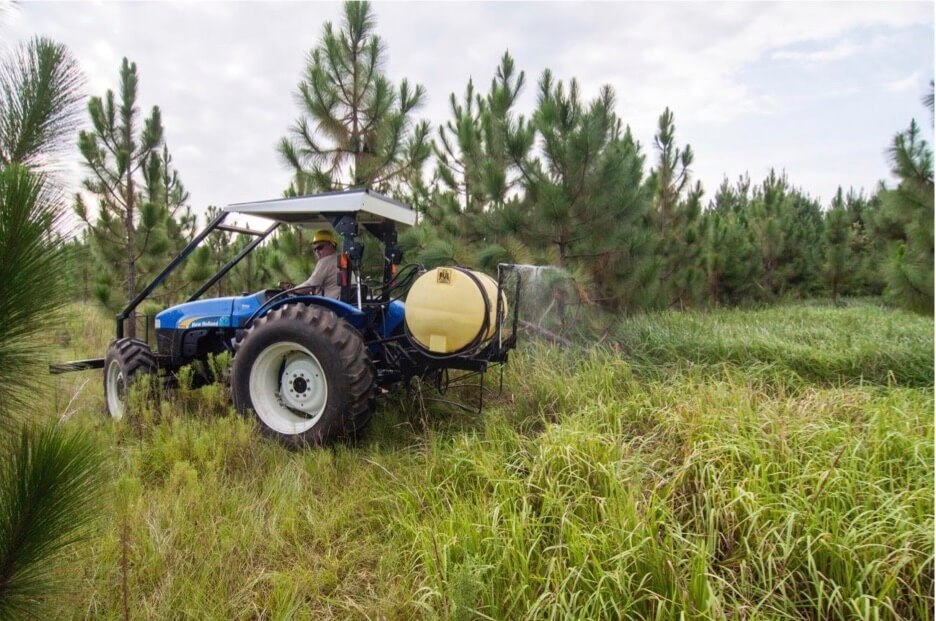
648, 478
806, 342
684, 496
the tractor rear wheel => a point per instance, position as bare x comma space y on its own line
126, 362
305, 374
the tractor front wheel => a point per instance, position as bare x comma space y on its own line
305, 374
127, 361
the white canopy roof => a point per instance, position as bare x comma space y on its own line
311, 211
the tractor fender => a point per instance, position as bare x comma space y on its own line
345, 311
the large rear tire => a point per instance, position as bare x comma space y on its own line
305, 374
126, 362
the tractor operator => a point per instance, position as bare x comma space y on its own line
324, 278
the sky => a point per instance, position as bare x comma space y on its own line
817, 90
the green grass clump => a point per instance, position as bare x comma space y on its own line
647, 478
804, 342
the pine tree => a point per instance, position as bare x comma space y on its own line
732, 198
805, 224
286, 257
129, 228
837, 265
166, 192
507, 140
867, 248
252, 272
787, 228
585, 199
907, 217
356, 128
731, 257
217, 249
49, 475
450, 222
459, 154
40, 87
677, 206
81, 267
478, 155
165, 188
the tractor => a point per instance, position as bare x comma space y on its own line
310, 367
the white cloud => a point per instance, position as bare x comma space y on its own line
905, 84
838, 52
189, 151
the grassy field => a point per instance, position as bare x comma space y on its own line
773, 464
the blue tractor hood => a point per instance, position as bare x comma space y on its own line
228, 312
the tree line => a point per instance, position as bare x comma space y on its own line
566, 185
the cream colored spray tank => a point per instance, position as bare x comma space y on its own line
452, 309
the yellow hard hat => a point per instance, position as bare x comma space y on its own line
325, 235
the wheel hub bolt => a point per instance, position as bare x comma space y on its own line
300, 385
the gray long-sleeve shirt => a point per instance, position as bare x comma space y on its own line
325, 275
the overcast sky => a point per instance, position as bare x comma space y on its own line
815, 89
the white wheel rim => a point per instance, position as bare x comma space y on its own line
288, 389
116, 390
